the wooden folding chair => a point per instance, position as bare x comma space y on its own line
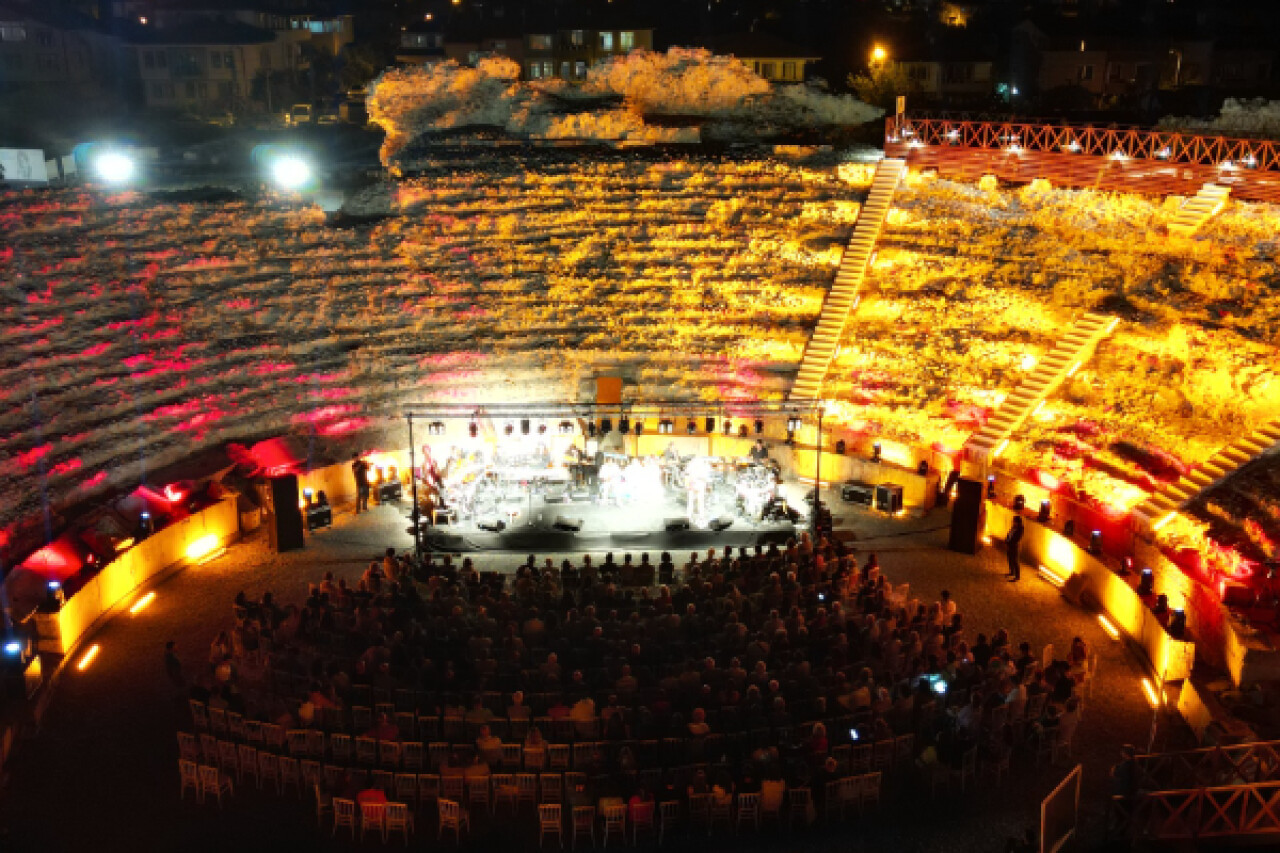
428, 789
584, 824
550, 788
748, 811
550, 822
189, 777
344, 814
613, 819
799, 803
668, 818
214, 781
373, 816
290, 775
452, 817
397, 818
641, 818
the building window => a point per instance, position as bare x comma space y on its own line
157, 90
228, 60
148, 59
535, 70
224, 90
190, 89
576, 38
564, 71
44, 38
767, 70
626, 40
473, 56
215, 59
12, 31
500, 45
606, 41
918, 72
789, 71
162, 59
203, 89
1084, 73
540, 42
579, 70
47, 62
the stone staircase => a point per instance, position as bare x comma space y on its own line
844, 293
1162, 505
1060, 364
1202, 207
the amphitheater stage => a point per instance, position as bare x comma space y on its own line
541, 527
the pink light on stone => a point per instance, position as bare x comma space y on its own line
346, 427
34, 455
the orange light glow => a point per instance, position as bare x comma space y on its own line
1074, 368
1112, 631
202, 547
1162, 522
87, 658
142, 603
1153, 698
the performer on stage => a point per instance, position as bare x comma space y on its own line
698, 485
610, 481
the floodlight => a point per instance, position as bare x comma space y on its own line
13, 648
115, 167
291, 172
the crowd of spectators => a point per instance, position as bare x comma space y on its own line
749, 670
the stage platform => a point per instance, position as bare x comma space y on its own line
633, 527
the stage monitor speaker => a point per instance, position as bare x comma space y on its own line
286, 528
674, 524
571, 525
889, 497
966, 517
724, 522
493, 525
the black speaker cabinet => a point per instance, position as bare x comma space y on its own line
286, 517
857, 493
889, 497
674, 524
569, 525
966, 517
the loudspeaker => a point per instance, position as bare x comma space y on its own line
966, 517
674, 524
724, 522
889, 497
286, 527
572, 525
493, 525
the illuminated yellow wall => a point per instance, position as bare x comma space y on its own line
120, 579
1168, 658
917, 491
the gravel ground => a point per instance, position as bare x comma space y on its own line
101, 773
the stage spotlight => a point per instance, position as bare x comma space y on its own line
1178, 624
591, 429
524, 426
840, 447
875, 452
665, 427
728, 427
114, 167
1147, 584
991, 486
566, 427
542, 429
639, 427
744, 431
474, 429
1095, 542
291, 172
1045, 508
791, 437
624, 425
711, 425
606, 426
793, 424
759, 427
509, 428
437, 428
1069, 529
1019, 503
693, 426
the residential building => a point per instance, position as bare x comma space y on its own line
776, 60
47, 47
210, 67
567, 54
469, 51
1109, 68
951, 66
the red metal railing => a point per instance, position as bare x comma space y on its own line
1123, 159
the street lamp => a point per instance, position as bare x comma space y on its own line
878, 55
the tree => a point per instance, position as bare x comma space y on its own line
882, 84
